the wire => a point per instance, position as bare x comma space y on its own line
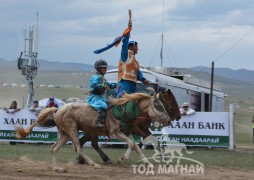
148, 44
154, 53
230, 48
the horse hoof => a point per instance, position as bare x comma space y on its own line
81, 161
108, 162
97, 166
120, 161
60, 170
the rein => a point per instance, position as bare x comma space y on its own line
145, 115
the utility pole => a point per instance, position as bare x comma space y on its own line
211, 90
253, 127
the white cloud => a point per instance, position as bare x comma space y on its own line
194, 29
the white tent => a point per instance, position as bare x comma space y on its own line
43, 102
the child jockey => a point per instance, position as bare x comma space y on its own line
98, 86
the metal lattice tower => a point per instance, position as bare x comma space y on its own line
27, 62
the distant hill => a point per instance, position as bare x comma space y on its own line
45, 65
240, 74
58, 66
238, 83
221, 74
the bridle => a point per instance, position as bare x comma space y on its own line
157, 117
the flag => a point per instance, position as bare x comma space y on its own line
115, 42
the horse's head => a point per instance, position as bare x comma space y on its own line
168, 100
157, 112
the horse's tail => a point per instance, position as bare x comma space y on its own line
21, 133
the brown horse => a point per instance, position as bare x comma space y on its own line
71, 118
140, 126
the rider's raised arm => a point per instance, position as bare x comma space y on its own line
126, 37
124, 52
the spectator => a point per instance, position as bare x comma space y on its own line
13, 108
51, 103
35, 108
186, 110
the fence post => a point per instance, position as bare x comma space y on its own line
253, 127
231, 127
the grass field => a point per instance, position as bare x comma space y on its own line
209, 157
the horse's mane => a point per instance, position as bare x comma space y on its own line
128, 97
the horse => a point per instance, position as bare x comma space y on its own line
140, 127
72, 117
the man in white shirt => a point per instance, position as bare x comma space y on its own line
186, 110
35, 108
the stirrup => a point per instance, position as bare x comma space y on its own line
99, 125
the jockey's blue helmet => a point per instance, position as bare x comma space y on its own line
132, 43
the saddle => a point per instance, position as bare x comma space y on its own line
125, 114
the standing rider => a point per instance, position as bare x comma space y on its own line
128, 69
98, 86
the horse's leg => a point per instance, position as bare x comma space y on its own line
73, 135
138, 131
82, 141
104, 157
156, 145
63, 138
139, 152
130, 143
94, 142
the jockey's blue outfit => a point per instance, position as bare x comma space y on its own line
98, 86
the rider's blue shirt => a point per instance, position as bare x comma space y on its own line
98, 85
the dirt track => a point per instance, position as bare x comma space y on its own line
25, 169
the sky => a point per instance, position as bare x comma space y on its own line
196, 32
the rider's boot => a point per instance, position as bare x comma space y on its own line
100, 122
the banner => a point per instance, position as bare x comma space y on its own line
199, 129
25, 118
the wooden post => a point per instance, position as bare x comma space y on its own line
253, 127
211, 89
231, 128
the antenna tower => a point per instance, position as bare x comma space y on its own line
27, 61
161, 53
